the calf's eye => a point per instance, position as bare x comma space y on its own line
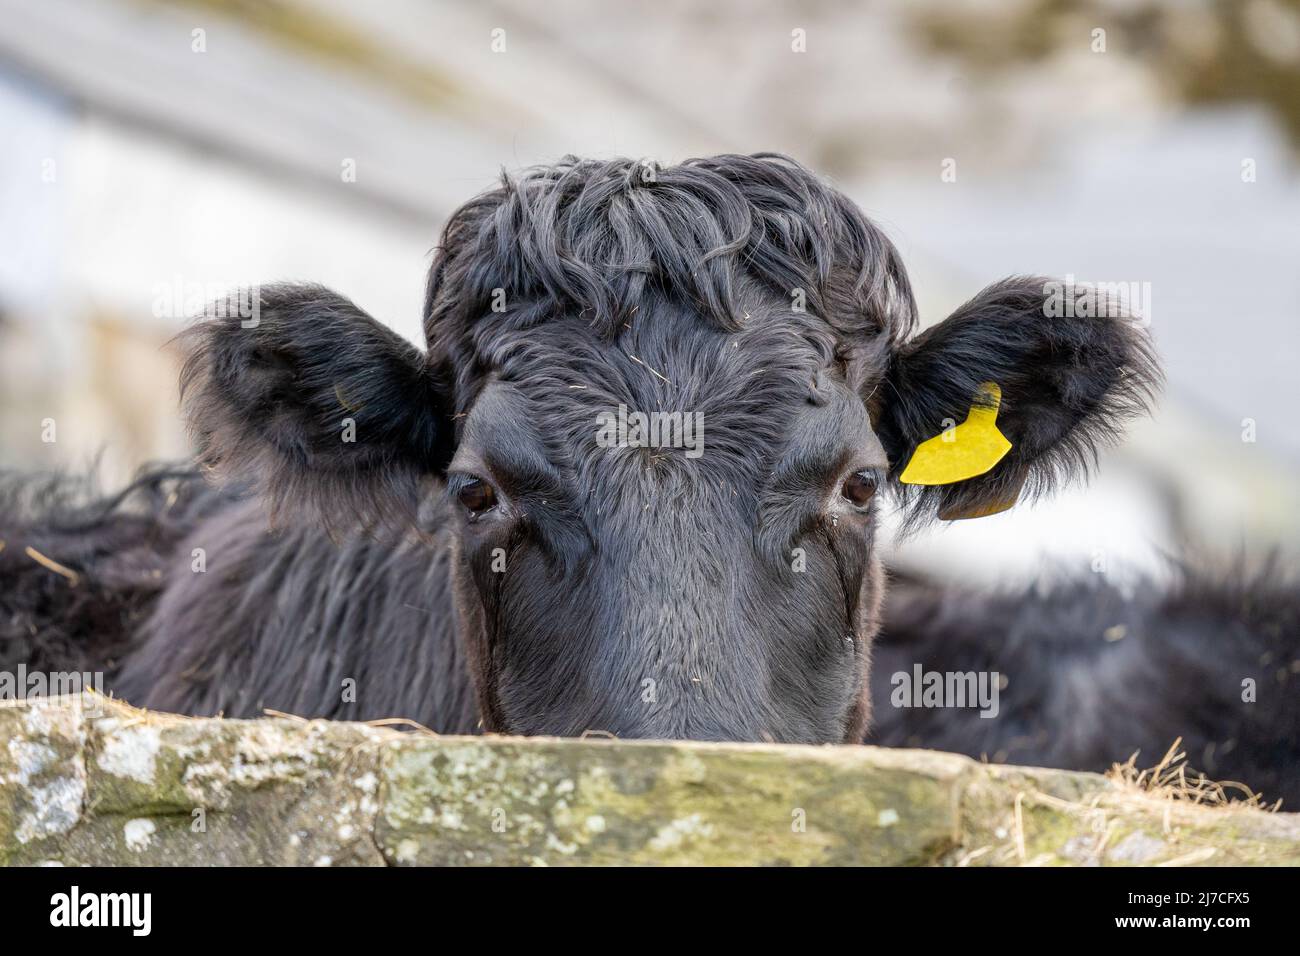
477, 496
859, 487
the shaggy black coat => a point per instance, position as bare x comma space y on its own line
1095, 673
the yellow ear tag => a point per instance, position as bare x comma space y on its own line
958, 512
964, 451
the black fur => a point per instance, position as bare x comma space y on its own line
633, 590
355, 630
1095, 673
118, 548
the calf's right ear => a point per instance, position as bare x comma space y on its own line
1038, 388
325, 413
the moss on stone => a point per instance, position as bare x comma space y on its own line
91, 781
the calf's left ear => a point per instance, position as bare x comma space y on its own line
323, 412
1066, 375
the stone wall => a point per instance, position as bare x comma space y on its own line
91, 781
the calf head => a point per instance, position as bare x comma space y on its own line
657, 414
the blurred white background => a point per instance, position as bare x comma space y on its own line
152, 148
